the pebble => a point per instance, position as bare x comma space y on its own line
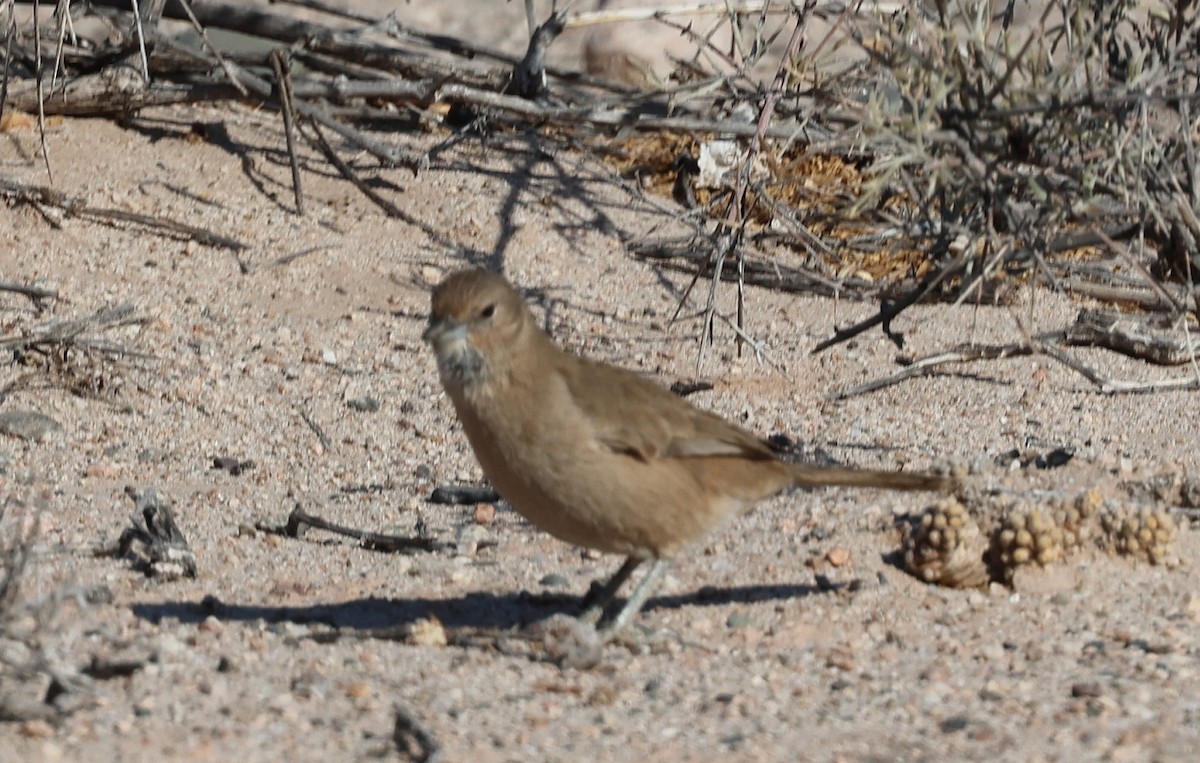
37, 728
838, 557
428, 631
485, 513
365, 404
104, 471
469, 538
554, 580
28, 425
738, 620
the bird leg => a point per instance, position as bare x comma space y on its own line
637, 600
604, 597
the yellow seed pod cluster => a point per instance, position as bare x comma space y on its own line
946, 547
1077, 519
1025, 537
1144, 534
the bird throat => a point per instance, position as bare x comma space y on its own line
460, 364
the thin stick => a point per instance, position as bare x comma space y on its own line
40, 196
41, 93
33, 292
756, 144
63, 11
960, 354
1133, 262
974, 352
182, 230
1147, 300
317, 430
330, 8
141, 36
288, 258
299, 521
591, 18
8, 43
284, 79
891, 310
229, 73
391, 209
389, 154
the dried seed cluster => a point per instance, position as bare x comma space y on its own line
1077, 520
1026, 537
947, 547
1146, 535
950, 547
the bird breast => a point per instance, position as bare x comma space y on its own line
541, 453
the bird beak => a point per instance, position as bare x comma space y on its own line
443, 331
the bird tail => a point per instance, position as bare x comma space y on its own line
804, 475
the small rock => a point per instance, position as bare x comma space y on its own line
840, 657
152, 456
329, 357
37, 728
210, 624
554, 580
470, 538
103, 471
738, 620
1088, 689
838, 557
485, 513
428, 631
364, 404
28, 425
954, 723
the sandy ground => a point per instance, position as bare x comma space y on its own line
742, 655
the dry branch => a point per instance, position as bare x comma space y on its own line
299, 521
44, 196
991, 150
1163, 342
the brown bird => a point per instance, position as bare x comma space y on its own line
594, 454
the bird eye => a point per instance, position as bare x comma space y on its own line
488, 311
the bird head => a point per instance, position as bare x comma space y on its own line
475, 318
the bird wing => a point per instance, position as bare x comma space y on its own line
634, 416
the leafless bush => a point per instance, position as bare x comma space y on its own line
21, 657
962, 143
40, 631
18, 527
1007, 140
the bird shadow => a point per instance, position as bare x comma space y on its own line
473, 610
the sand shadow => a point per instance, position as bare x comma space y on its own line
473, 610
